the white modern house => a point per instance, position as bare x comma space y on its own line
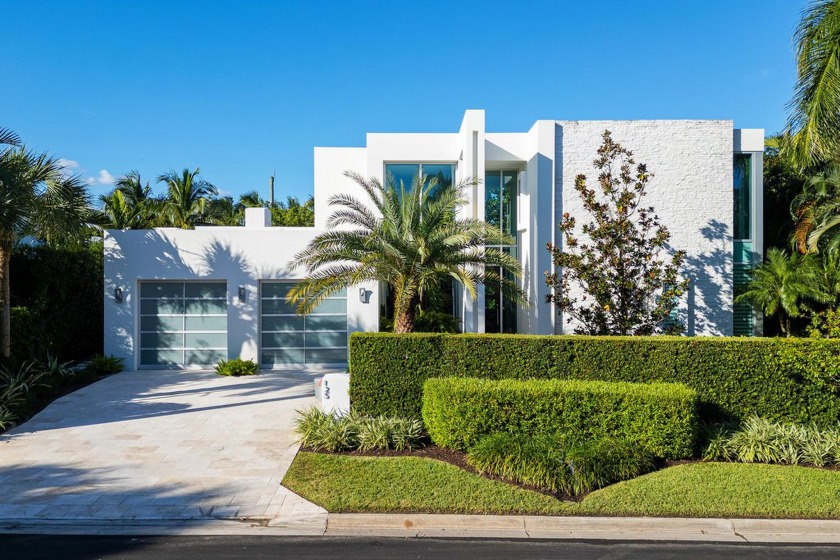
187, 298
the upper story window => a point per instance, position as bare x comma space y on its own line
742, 175
500, 190
405, 174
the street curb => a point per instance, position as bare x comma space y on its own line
586, 528
647, 529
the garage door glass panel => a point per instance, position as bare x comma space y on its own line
286, 338
277, 290
282, 340
205, 340
162, 323
205, 323
161, 357
162, 306
161, 340
326, 339
206, 307
331, 306
161, 290
288, 323
205, 290
276, 307
182, 323
283, 357
203, 357
326, 322
331, 356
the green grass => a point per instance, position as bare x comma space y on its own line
342, 483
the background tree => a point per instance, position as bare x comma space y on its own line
617, 278
37, 200
411, 240
187, 198
813, 123
294, 214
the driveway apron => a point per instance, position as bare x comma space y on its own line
157, 446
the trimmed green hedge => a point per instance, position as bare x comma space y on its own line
794, 380
661, 418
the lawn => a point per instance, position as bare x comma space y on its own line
342, 483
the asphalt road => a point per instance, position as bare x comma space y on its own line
33, 547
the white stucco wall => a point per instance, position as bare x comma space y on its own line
691, 192
239, 255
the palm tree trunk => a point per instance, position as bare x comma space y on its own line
5, 297
404, 320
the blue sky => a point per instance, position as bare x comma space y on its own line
245, 88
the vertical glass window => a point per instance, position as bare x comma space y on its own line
493, 199
742, 174
441, 172
500, 193
402, 174
406, 174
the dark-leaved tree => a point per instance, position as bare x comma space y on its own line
616, 276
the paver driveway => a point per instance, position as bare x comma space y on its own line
158, 445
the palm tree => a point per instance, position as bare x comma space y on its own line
186, 198
118, 212
411, 240
816, 211
294, 214
36, 199
813, 122
781, 285
224, 212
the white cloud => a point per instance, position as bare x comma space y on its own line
104, 178
68, 164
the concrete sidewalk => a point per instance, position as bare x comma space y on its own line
470, 526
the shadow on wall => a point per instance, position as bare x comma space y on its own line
154, 255
711, 280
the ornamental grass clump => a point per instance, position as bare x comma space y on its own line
562, 468
237, 367
759, 440
321, 431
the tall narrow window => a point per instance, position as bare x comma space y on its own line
743, 245
742, 174
500, 192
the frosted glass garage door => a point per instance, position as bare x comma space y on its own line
183, 323
287, 338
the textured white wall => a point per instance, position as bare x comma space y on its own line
691, 192
239, 255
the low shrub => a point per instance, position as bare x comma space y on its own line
106, 365
237, 367
759, 440
659, 417
791, 380
562, 467
321, 431
27, 387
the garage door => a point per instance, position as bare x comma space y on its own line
183, 323
287, 338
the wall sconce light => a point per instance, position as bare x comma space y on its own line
118, 296
243, 294
364, 295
